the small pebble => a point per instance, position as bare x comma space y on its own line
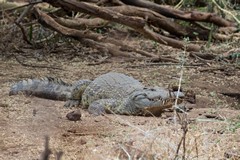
74, 115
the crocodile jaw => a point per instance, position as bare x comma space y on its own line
157, 108
151, 101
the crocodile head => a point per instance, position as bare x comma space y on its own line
152, 101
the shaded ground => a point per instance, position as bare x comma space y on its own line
25, 120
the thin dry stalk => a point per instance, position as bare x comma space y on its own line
46, 153
196, 145
24, 13
183, 120
125, 151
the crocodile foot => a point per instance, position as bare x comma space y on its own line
96, 109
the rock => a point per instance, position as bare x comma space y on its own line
74, 115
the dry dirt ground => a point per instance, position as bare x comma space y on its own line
213, 122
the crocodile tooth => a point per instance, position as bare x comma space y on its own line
24, 82
44, 79
29, 81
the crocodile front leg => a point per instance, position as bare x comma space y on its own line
76, 95
109, 106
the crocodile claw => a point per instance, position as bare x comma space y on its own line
72, 103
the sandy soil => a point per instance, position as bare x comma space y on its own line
213, 123
25, 120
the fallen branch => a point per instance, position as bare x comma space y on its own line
137, 23
82, 23
97, 40
162, 22
178, 14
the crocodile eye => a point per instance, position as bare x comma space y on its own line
149, 89
144, 94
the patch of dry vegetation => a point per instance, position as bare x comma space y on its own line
213, 123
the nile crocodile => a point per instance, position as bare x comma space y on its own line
109, 93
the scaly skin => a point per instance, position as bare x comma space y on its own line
109, 93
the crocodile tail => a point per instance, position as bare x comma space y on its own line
49, 88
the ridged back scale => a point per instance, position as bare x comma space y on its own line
110, 86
